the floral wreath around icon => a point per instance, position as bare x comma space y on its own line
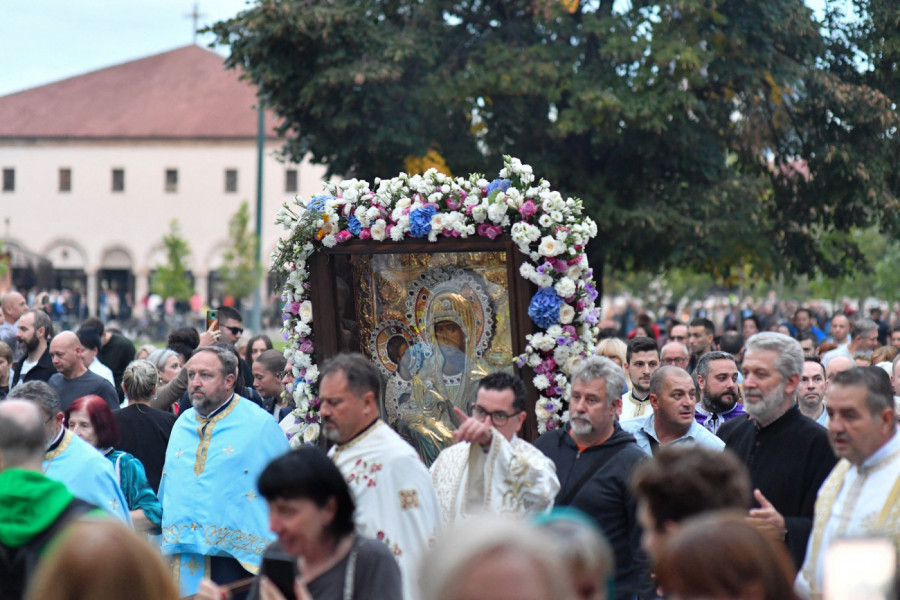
549, 230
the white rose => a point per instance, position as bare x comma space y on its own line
403, 203
541, 413
296, 442
305, 313
377, 230
541, 382
549, 246
565, 288
574, 271
312, 373
437, 222
571, 363
566, 314
311, 435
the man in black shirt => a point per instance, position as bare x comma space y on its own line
787, 454
116, 351
34, 330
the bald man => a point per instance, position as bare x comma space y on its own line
13, 306
73, 380
836, 365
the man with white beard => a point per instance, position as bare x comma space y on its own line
788, 455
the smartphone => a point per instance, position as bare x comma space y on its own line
282, 573
860, 569
212, 319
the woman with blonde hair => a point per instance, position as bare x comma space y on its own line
101, 559
615, 350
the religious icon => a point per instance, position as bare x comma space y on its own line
435, 324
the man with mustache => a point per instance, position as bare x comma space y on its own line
672, 396
594, 458
788, 455
859, 497
35, 365
395, 499
717, 378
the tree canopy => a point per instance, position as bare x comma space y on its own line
728, 137
170, 279
240, 271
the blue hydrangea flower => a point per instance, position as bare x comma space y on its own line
420, 221
544, 308
353, 225
498, 184
317, 204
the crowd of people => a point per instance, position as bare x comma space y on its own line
696, 462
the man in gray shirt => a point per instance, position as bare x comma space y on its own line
73, 380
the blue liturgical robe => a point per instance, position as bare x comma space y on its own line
208, 489
87, 474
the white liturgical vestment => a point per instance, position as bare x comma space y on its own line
633, 408
395, 501
853, 502
506, 477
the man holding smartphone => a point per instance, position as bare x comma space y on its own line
859, 498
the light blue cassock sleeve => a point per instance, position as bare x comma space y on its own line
87, 474
208, 489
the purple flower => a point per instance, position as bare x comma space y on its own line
591, 317
306, 346
551, 425
420, 221
570, 330
544, 308
286, 336
295, 308
562, 340
549, 407
520, 362
591, 291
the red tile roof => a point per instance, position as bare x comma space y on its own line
185, 93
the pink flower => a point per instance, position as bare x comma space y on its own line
489, 231
453, 203
450, 233
295, 308
306, 346
560, 265
570, 329
581, 305
527, 209
343, 235
365, 233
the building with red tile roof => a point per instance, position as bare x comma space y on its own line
95, 167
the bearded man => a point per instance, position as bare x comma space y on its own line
717, 378
787, 454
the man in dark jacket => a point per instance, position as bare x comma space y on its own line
788, 455
35, 329
594, 459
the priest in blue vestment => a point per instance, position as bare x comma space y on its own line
85, 472
214, 523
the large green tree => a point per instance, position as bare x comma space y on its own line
725, 136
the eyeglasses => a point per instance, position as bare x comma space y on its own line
498, 417
236, 331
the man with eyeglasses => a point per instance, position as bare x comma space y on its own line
594, 459
490, 470
675, 354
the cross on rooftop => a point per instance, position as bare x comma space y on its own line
195, 15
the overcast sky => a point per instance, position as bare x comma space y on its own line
42, 41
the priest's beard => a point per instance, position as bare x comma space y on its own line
719, 403
765, 406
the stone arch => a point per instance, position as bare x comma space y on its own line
66, 253
116, 256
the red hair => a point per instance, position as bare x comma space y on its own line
101, 419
